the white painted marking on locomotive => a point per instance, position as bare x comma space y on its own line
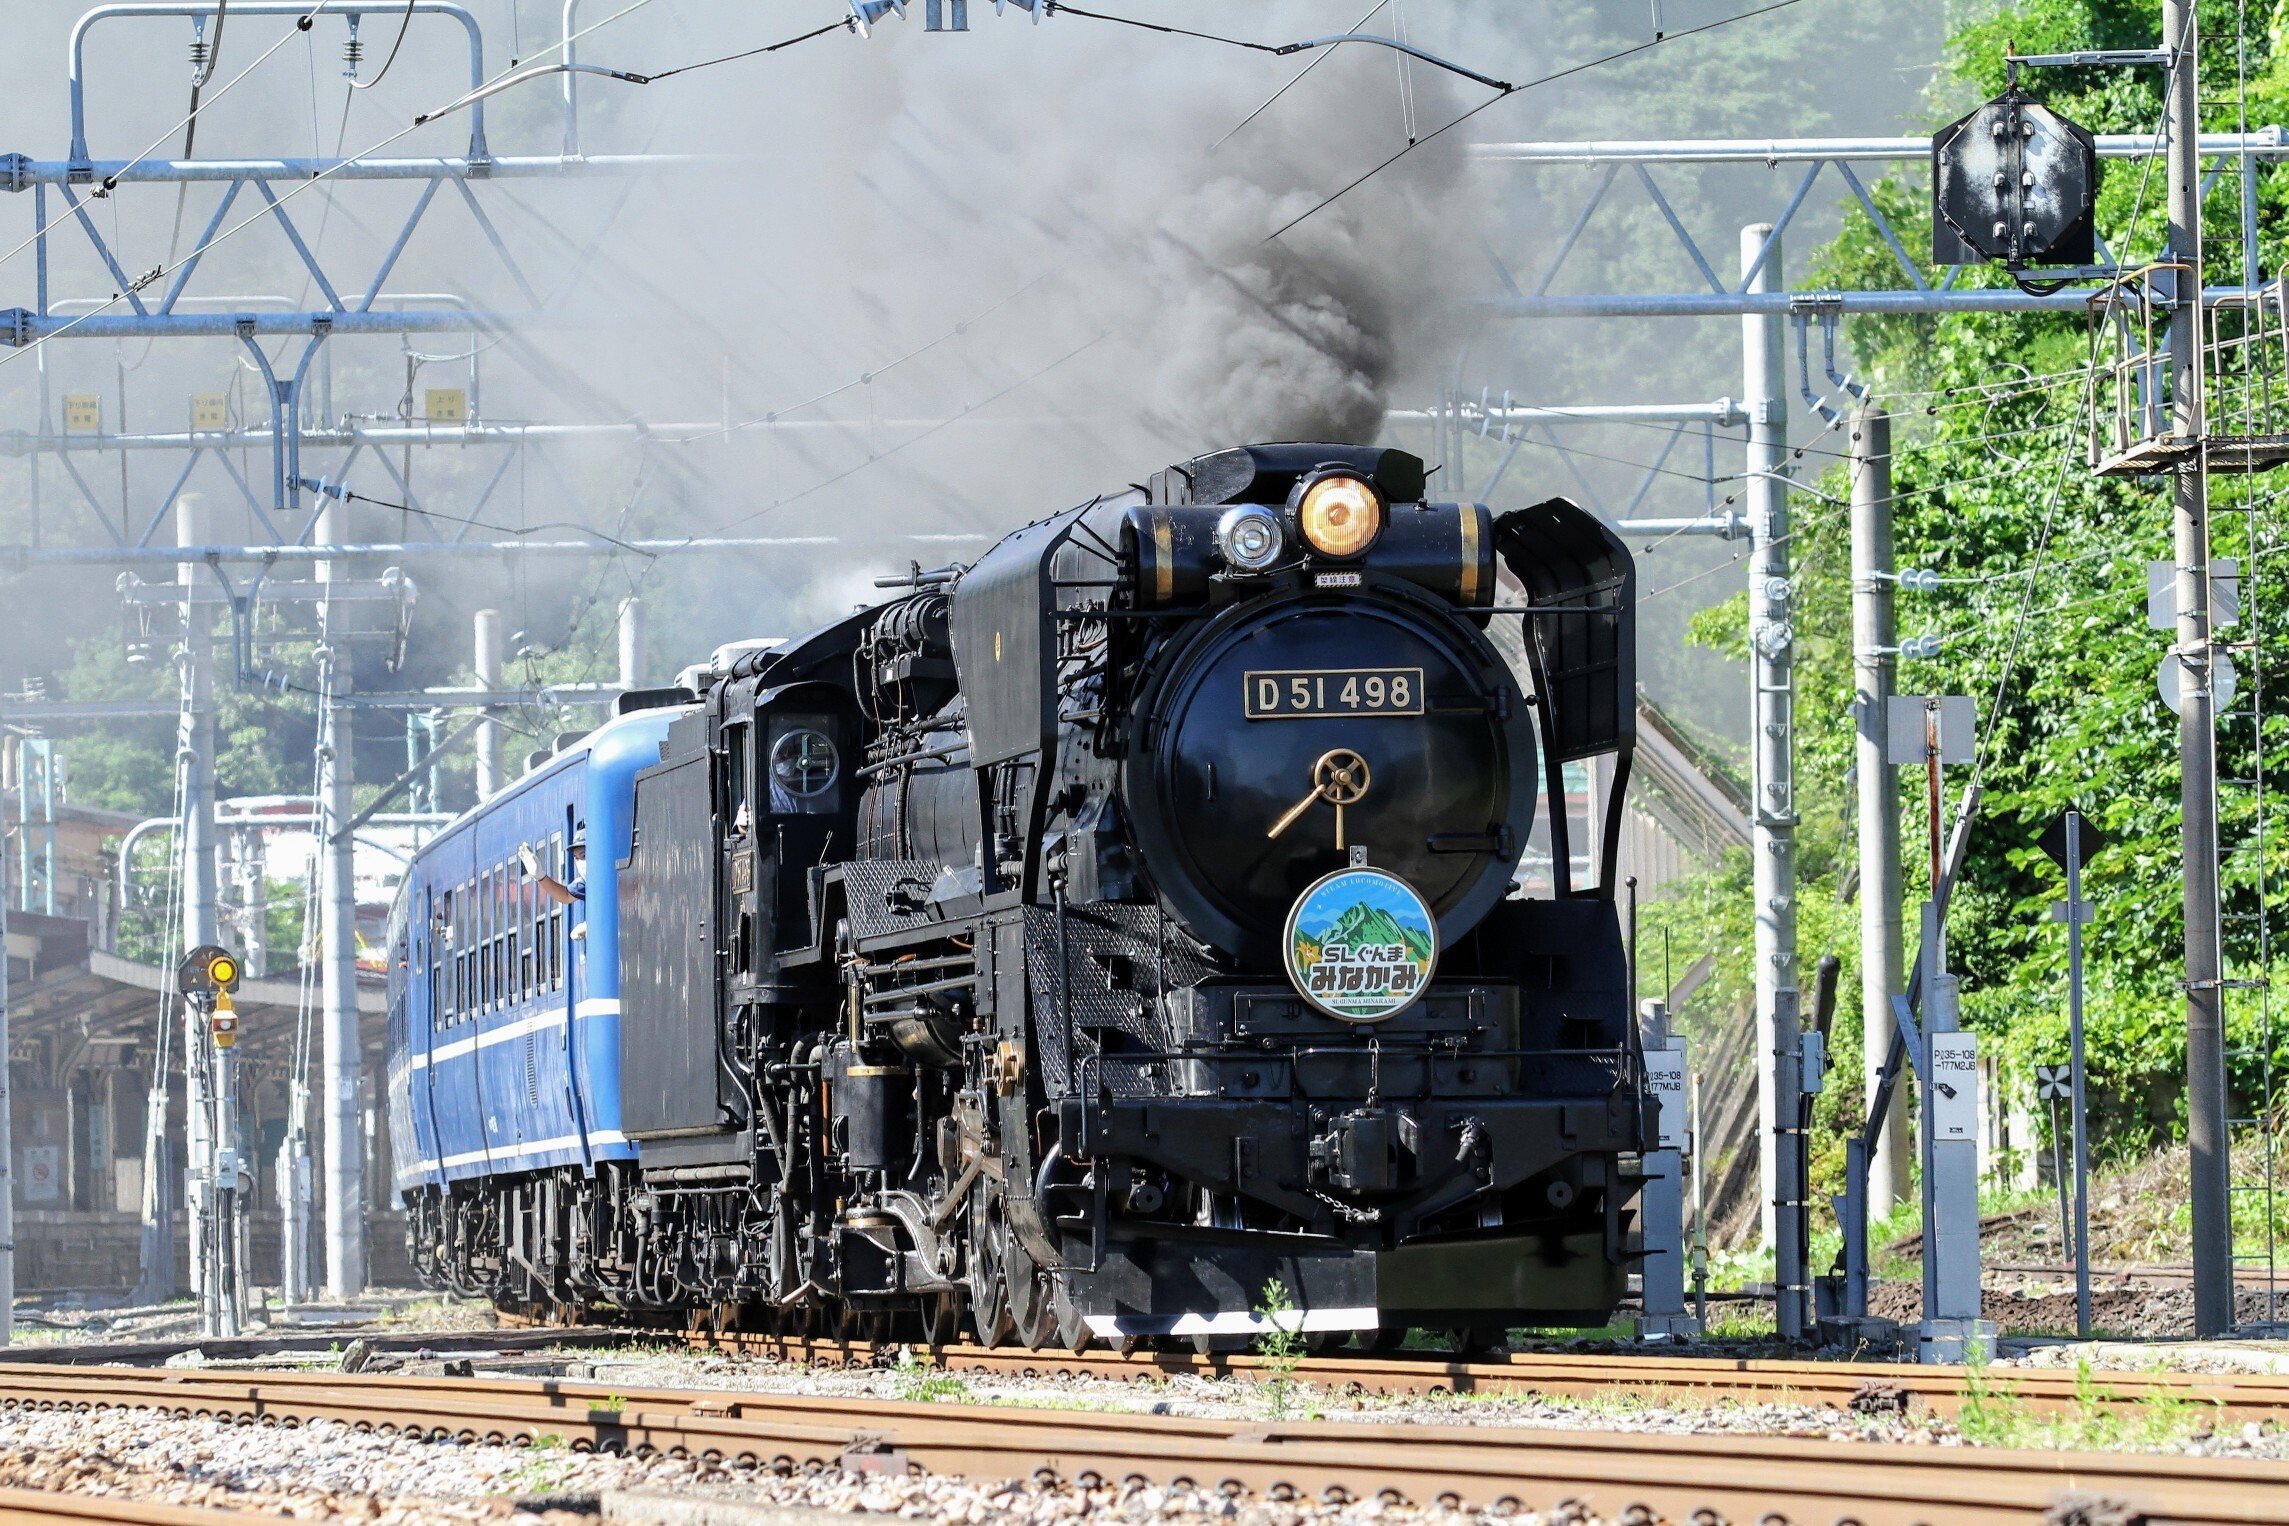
597, 1139
1229, 1322
539, 1022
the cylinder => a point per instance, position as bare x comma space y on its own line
1772, 743
195, 762
343, 1140
1874, 637
868, 1104
634, 643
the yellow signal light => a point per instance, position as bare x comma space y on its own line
223, 972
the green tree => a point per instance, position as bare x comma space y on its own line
2041, 611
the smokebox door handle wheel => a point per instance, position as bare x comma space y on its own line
1340, 777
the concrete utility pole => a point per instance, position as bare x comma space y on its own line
2197, 738
488, 665
635, 643
1875, 636
7, 1134
195, 839
343, 1140
1772, 741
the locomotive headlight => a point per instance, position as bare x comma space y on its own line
1250, 539
1339, 515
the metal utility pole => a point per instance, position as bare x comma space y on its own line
343, 1140
1772, 745
201, 925
1875, 639
635, 643
2070, 840
2197, 738
488, 665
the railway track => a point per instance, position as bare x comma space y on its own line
1737, 1479
2236, 1398
33, 1507
1864, 1385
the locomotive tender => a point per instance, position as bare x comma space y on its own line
1071, 945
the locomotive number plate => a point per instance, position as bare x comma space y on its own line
1301, 693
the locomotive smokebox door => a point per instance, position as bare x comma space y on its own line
1287, 732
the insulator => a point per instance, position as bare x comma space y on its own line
1919, 580
353, 51
198, 53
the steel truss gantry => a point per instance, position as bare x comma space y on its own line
163, 300
177, 298
1922, 292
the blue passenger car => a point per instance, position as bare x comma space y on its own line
504, 1043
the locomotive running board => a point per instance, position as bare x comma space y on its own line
1230, 1322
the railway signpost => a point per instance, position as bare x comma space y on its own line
1935, 730
1662, 1314
2070, 840
206, 977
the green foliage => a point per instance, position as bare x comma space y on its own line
916, 1384
1990, 1412
1281, 1345
2043, 607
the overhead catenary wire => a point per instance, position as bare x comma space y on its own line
916, 439
1507, 91
626, 76
1297, 79
331, 490
1286, 49
843, 25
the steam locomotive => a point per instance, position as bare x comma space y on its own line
1117, 938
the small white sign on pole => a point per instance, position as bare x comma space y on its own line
1955, 1086
1665, 1078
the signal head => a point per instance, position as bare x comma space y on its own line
208, 970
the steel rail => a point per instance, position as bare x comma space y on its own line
1942, 1390
38, 1507
1742, 1478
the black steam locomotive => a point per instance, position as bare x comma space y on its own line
1087, 938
